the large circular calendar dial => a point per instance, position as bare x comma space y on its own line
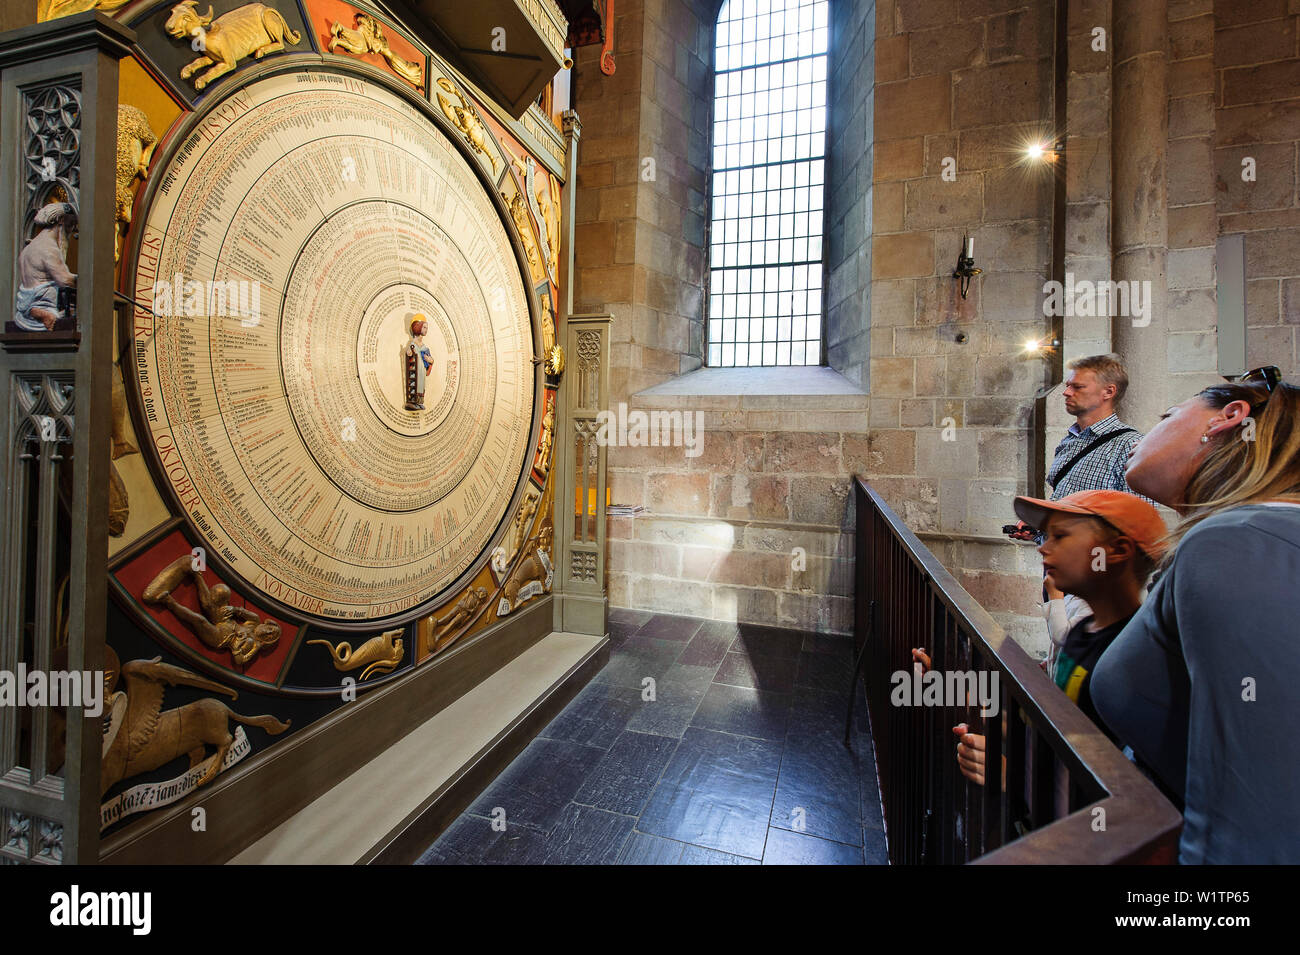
322, 214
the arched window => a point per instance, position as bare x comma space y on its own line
769, 144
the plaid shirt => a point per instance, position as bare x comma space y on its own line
1102, 469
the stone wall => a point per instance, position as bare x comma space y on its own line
962, 87
850, 133
1254, 88
718, 535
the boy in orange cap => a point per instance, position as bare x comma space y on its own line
1100, 546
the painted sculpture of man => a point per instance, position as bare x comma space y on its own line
43, 269
419, 361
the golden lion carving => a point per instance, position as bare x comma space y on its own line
253, 28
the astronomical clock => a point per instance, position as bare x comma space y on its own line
335, 369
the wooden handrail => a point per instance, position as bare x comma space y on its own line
931, 812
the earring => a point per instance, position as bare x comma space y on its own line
1205, 438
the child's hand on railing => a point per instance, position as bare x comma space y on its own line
970, 753
921, 657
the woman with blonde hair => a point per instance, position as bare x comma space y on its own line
1202, 683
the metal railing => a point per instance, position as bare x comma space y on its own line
1065, 793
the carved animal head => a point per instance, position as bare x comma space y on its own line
185, 19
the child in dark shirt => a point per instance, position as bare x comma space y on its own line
1101, 546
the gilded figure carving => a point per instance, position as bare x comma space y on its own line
53, 9
379, 654
369, 37
457, 617
135, 145
253, 28
532, 577
464, 118
220, 626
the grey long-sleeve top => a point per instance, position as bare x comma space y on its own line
1204, 684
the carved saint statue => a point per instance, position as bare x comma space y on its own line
418, 359
220, 626
43, 270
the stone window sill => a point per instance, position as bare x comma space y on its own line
808, 388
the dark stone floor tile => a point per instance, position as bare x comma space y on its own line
595, 716
698, 855
689, 679
836, 644
723, 763
869, 785
772, 641
745, 712
715, 820
757, 671
641, 849
624, 616
540, 782
874, 849
677, 696
709, 645
665, 718
824, 671
518, 845
818, 792
586, 836
664, 626
623, 780
794, 848
636, 658
465, 842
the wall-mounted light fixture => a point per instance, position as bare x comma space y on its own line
1044, 151
966, 265
1041, 346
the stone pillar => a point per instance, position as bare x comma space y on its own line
1139, 143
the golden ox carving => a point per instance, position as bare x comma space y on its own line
253, 28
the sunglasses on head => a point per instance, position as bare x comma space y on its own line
1270, 375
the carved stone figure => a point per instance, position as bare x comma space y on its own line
369, 37
379, 654
457, 617
253, 28
220, 626
418, 358
135, 145
43, 270
532, 577
548, 439
519, 213
141, 735
464, 118
523, 518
